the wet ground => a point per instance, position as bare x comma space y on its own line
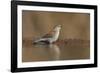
72, 49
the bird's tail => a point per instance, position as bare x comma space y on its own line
37, 41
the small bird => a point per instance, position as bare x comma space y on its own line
50, 37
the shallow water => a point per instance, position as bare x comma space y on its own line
70, 50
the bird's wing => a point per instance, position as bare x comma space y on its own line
47, 36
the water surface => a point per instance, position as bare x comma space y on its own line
69, 50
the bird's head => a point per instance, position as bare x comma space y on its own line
57, 27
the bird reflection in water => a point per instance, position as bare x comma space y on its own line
51, 50
55, 51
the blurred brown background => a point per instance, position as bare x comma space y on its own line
75, 36
38, 23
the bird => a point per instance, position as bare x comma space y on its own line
50, 37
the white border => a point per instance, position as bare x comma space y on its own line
53, 63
